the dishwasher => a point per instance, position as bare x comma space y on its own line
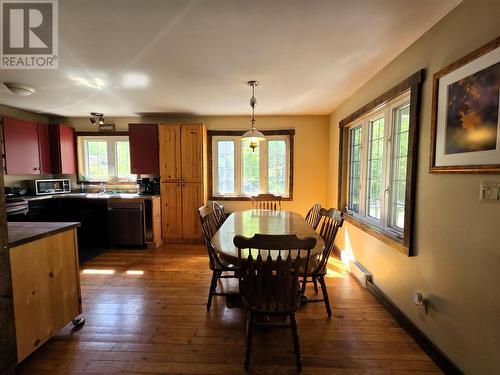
126, 223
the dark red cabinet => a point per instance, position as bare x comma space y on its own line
144, 156
44, 148
32, 148
63, 149
21, 147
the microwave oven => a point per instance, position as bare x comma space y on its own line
53, 186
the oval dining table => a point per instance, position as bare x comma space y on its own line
249, 222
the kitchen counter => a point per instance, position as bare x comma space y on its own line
92, 196
24, 232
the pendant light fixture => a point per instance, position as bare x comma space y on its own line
253, 135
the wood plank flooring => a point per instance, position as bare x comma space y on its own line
157, 323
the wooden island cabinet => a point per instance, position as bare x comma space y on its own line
45, 281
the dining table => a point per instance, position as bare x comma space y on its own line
249, 222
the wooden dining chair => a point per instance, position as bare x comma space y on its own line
219, 214
266, 202
219, 268
269, 281
313, 215
330, 222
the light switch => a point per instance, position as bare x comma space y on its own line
490, 192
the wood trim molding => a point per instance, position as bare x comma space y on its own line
212, 133
439, 358
414, 79
383, 236
98, 133
484, 168
414, 84
233, 133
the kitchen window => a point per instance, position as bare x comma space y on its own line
104, 159
378, 155
238, 172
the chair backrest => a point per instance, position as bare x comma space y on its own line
208, 229
313, 217
330, 222
219, 214
266, 202
269, 270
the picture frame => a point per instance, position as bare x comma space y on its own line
465, 128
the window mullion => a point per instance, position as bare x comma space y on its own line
364, 168
237, 165
111, 158
263, 172
385, 171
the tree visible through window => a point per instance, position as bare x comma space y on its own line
104, 158
378, 154
239, 171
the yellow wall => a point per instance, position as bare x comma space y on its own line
310, 154
457, 262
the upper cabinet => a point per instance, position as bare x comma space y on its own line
44, 149
31, 148
170, 153
63, 149
192, 153
21, 147
143, 140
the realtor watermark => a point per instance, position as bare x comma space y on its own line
29, 37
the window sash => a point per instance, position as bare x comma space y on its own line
263, 156
386, 169
112, 158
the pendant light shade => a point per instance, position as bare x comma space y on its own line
253, 135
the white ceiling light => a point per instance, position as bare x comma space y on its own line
18, 89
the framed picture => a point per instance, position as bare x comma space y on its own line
465, 133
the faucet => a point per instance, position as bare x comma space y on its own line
102, 186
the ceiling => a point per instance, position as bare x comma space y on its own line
123, 57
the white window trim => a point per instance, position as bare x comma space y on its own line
111, 150
238, 162
387, 111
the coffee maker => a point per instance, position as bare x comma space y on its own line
149, 186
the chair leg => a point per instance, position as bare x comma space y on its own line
213, 286
293, 325
315, 284
325, 296
248, 346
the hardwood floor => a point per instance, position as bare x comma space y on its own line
157, 323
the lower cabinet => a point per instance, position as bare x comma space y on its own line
192, 199
180, 203
45, 287
171, 218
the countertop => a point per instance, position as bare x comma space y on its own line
23, 232
92, 196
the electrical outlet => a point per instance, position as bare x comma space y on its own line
490, 192
419, 300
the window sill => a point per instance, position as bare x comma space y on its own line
241, 198
385, 236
